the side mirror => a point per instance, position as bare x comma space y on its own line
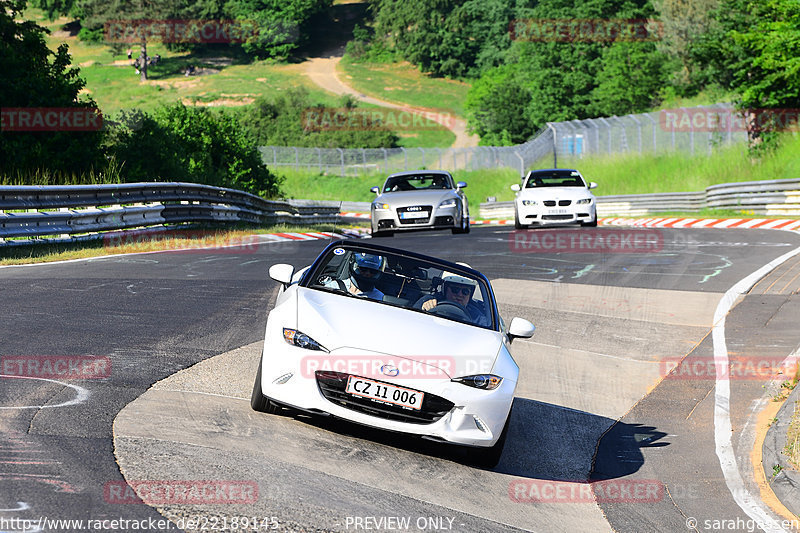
282, 273
516, 187
521, 328
376, 190
592, 185
461, 185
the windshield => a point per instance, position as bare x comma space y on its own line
555, 179
417, 182
406, 282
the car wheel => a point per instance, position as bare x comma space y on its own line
258, 401
463, 228
517, 223
592, 224
489, 457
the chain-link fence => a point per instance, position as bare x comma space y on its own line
694, 130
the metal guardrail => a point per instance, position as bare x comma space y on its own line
37, 211
773, 197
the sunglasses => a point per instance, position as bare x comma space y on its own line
466, 291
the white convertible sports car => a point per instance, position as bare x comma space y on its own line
554, 196
394, 340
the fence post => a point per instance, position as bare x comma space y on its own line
653, 121
319, 157
385, 161
639, 128
521, 164
274, 156
296, 158
341, 155
440, 156
405, 158
423, 156
552, 128
608, 131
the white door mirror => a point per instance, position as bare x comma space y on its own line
516, 187
375, 190
520, 327
282, 273
592, 185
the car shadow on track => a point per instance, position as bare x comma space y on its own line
545, 441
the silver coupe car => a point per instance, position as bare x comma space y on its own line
420, 199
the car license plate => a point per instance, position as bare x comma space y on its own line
413, 214
384, 393
557, 212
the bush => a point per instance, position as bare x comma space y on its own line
179, 143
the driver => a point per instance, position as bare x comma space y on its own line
456, 289
365, 270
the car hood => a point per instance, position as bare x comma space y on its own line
555, 193
355, 326
403, 198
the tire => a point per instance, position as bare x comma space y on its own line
517, 223
592, 224
489, 457
461, 229
258, 401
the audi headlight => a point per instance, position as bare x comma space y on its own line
584, 201
530, 202
380, 206
448, 203
301, 340
480, 381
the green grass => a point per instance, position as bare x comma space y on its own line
403, 83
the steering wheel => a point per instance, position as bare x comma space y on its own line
450, 310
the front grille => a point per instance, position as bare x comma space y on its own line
550, 203
563, 203
332, 386
556, 217
418, 209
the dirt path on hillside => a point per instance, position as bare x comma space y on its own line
322, 71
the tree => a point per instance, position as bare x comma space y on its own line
684, 22
630, 80
36, 77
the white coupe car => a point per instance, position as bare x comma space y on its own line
554, 196
394, 340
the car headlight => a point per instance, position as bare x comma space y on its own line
584, 201
530, 202
480, 381
301, 340
380, 206
448, 203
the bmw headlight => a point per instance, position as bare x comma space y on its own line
584, 201
530, 202
301, 340
448, 203
480, 381
380, 206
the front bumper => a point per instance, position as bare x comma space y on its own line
439, 217
476, 418
542, 215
